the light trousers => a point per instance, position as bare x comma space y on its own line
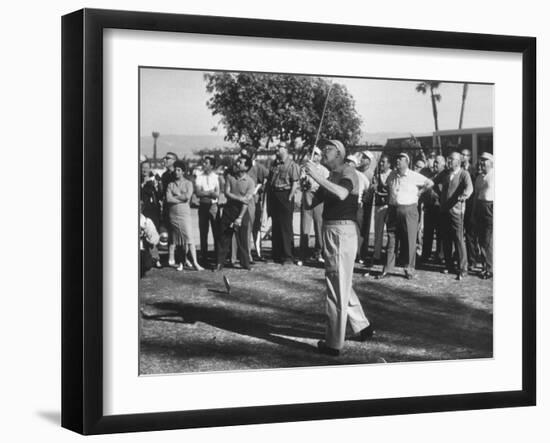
342, 303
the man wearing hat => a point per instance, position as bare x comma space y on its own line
311, 216
339, 192
483, 211
404, 186
456, 188
282, 182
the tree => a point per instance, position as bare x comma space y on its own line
257, 108
432, 86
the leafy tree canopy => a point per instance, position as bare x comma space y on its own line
258, 108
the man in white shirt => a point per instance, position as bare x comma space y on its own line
404, 187
483, 212
207, 189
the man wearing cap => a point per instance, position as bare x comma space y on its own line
282, 181
340, 196
367, 201
404, 187
483, 211
456, 188
311, 216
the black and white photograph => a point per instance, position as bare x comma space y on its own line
290, 220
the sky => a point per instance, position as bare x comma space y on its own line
173, 101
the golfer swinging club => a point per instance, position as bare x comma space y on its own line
339, 192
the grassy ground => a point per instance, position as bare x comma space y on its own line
274, 317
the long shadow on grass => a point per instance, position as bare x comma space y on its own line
445, 324
249, 324
409, 317
412, 318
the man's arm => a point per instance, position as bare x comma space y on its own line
339, 191
476, 196
293, 190
425, 184
199, 192
232, 196
468, 187
312, 199
248, 196
295, 178
216, 192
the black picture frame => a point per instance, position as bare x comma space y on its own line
82, 218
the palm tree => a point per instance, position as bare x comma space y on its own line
423, 87
461, 118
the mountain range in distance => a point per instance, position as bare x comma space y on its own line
187, 145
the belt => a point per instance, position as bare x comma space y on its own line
406, 206
339, 222
281, 189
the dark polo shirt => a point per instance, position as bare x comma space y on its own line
241, 186
336, 209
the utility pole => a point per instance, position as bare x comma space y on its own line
155, 137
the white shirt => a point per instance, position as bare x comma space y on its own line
148, 232
208, 183
403, 189
485, 187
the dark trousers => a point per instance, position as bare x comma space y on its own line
402, 226
230, 213
484, 224
145, 260
431, 230
208, 218
452, 230
470, 233
282, 234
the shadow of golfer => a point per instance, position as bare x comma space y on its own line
237, 322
